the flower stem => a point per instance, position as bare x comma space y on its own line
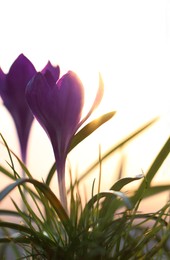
62, 188
23, 157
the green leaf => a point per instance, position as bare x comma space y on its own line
124, 181
152, 172
115, 148
24, 235
108, 195
117, 187
9, 213
10, 157
7, 173
90, 128
49, 195
18, 227
50, 174
156, 190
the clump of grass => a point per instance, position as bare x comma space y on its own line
108, 226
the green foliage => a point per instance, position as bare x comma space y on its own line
108, 226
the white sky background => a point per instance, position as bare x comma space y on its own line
127, 41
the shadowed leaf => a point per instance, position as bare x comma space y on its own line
156, 190
108, 195
48, 194
6, 172
124, 181
90, 128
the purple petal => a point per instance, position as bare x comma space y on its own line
55, 70
12, 91
21, 71
2, 75
36, 92
2, 80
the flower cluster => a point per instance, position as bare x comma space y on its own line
56, 102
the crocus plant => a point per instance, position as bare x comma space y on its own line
90, 231
57, 104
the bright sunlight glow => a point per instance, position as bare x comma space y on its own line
126, 41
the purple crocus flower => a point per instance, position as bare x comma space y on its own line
12, 91
57, 105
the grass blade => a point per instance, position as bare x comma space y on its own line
49, 195
152, 171
115, 148
90, 128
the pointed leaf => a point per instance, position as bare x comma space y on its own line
107, 195
7, 173
117, 187
124, 181
156, 190
110, 194
50, 174
9, 213
18, 227
36, 237
152, 171
90, 128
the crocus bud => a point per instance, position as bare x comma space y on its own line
12, 91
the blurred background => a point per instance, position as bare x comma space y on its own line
128, 42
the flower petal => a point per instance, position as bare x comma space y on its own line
21, 71
36, 92
2, 75
55, 70
2, 80
71, 99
